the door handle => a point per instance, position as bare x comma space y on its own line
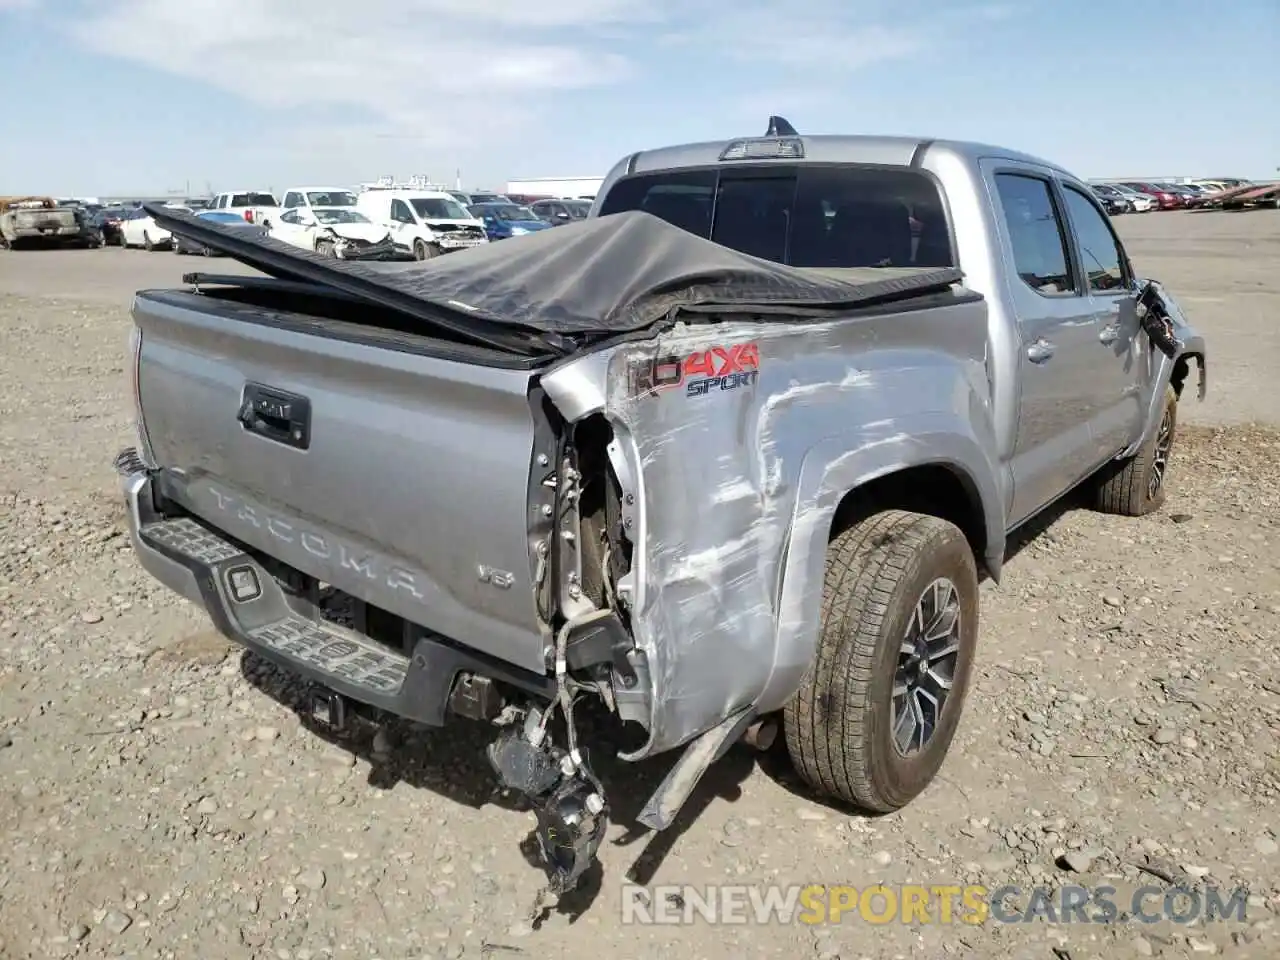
1109, 334
276, 415
1040, 351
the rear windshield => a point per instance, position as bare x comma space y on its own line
805, 216
252, 200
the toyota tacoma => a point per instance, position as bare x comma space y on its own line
728, 456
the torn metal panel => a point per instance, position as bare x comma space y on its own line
737, 441
1174, 342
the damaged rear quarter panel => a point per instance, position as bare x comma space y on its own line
738, 486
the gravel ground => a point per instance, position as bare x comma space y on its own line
159, 798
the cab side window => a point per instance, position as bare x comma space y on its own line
1101, 257
400, 212
1037, 234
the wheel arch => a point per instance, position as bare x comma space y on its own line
939, 468
942, 490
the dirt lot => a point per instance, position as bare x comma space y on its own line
158, 799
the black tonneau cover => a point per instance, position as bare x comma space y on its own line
607, 275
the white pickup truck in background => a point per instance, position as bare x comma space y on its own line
256, 206
312, 198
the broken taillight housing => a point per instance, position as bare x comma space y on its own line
135, 388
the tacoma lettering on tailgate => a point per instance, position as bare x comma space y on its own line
322, 546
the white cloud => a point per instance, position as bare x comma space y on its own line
421, 65
445, 73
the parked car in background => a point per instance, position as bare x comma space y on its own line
480, 196
185, 245
340, 232
557, 212
108, 220
1165, 199
139, 229
36, 220
90, 232
1112, 200
423, 223
504, 220
1142, 202
313, 197
256, 206
1194, 195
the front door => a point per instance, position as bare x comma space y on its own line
1054, 447
1120, 350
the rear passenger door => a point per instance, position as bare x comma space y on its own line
1120, 349
1059, 391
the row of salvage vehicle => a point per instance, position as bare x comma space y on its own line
375, 223
1144, 196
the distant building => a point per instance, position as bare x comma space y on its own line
562, 188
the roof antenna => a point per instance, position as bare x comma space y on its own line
780, 127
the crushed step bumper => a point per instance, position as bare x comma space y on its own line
248, 605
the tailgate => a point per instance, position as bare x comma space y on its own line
408, 487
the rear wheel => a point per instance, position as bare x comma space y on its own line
1138, 486
874, 716
147, 245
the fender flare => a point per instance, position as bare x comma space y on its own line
830, 470
1193, 349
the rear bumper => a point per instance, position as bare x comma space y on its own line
32, 233
248, 605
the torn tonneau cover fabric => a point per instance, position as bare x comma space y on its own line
613, 274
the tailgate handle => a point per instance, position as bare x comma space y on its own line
276, 415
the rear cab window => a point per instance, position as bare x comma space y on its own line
814, 215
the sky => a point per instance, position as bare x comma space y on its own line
157, 96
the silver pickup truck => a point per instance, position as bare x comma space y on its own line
728, 455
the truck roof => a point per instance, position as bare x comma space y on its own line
838, 148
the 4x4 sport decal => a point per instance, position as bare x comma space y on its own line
700, 373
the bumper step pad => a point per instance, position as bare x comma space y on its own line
261, 617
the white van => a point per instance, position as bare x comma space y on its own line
425, 223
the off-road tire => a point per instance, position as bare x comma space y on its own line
1125, 487
838, 723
